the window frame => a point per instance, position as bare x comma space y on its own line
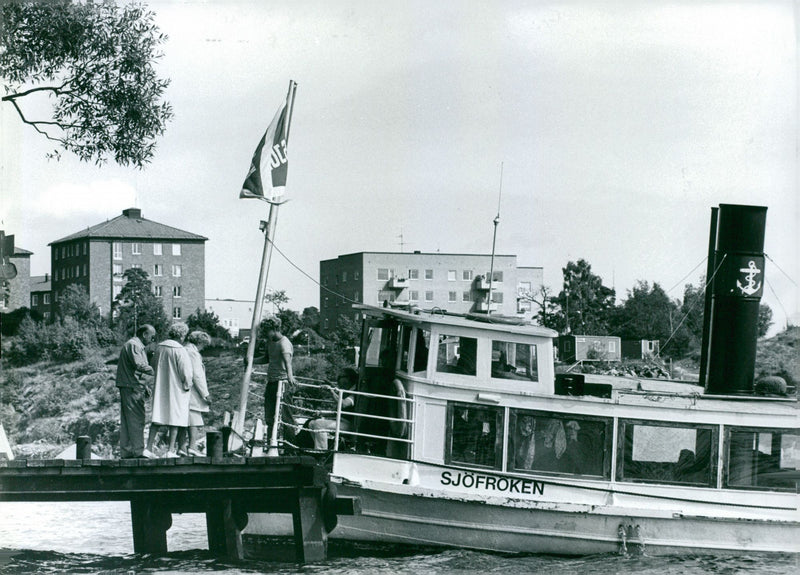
713, 470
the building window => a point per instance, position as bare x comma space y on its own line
451, 275
413, 295
176, 291
77, 271
428, 274
524, 288
466, 296
85, 270
116, 291
612, 346
158, 270
357, 296
176, 270
117, 249
157, 291
46, 315
34, 300
46, 298
136, 248
383, 274
356, 275
413, 274
344, 277
85, 248
176, 249
466, 275
156, 249
117, 271
451, 296
136, 266
497, 297
176, 313
496, 276
428, 296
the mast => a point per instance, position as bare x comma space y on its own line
494, 241
268, 228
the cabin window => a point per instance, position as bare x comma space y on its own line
762, 458
667, 453
475, 435
457, 354
558, 443
514, 361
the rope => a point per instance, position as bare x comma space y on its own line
689, 311
687, 275
781, 270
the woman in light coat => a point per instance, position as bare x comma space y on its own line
173, 380
198, 396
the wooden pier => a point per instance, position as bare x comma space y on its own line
226, 489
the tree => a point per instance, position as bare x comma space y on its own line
208, 322
277, 298
584, 304
310, 318
647, 313
95, 61
74, 302
136, 305
764, 319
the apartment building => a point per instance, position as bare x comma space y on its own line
457, 283
98, 256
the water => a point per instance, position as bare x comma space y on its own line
96, 538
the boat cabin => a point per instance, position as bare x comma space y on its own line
450, 390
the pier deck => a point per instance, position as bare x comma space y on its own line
226, 489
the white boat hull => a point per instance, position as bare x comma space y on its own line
416, 515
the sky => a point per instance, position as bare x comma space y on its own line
618, 126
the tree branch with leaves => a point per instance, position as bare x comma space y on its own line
96, 62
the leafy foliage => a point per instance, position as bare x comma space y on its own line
764, 319
96, 62
208, 322
74, 302
584, 303
136, 305
12, 320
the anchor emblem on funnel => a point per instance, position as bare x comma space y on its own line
751, 286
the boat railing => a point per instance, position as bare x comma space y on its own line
308, 405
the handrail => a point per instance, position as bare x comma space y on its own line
336, 415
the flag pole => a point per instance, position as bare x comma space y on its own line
268, 228
494, 241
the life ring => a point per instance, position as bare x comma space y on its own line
398, 410
329, 517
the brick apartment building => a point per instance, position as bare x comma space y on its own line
41, 294
453, 282
97, 257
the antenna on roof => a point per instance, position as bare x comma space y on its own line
494, 241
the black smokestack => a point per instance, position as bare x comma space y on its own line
737, 285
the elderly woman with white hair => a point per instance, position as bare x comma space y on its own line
198, 396
173, 380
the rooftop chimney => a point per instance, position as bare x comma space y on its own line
134, 213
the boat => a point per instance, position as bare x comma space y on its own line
463, 435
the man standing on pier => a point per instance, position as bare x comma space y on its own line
133, 392
279, 356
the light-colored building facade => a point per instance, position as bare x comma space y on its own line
458, 283
98, 256
17, 290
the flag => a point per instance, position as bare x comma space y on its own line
268, 169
